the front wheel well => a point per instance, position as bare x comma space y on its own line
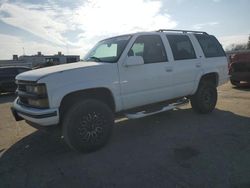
101, 94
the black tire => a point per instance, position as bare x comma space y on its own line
1, 90
205, 98
234, 82
87, 125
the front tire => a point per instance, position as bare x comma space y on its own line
205, 98
234, 82
87, 125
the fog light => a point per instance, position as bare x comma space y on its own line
40, 103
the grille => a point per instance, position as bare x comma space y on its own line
21, 87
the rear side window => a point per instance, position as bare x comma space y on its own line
150, 47
210, 46
181, 46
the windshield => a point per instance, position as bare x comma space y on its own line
108, 50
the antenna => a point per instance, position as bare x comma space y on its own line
23, 51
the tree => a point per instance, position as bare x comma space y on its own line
238, 47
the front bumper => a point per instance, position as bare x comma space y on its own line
43, 117
240, 76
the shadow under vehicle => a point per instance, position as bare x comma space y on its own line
163, 150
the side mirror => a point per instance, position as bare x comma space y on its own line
133, 60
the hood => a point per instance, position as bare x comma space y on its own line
240, 57
35, 75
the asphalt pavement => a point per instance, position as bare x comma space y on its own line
178, 149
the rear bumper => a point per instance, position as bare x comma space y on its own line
240, 76
43, 117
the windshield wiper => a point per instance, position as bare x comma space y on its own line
95, 58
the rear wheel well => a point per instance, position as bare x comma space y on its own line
101, 94
210, 77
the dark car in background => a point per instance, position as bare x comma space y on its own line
7, 77
239, 68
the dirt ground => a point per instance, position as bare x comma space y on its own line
178, 148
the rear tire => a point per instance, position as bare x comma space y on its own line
205, 98
87, 125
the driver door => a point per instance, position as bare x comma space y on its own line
149, 82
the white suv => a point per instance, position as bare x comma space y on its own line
136, 75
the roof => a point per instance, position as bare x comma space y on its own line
182, 31
160, 31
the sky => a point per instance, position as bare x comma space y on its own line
74, 26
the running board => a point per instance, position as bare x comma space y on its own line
142, 114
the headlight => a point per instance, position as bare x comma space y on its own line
32, 94
41, 103
36, 95
36, 89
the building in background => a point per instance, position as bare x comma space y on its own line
40, 60
13, 62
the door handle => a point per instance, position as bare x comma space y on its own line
168, 69
198, 65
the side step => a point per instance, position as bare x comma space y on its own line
142, 114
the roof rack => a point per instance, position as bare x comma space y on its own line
183, 31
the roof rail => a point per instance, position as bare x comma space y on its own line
183, 31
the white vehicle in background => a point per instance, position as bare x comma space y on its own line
136, 75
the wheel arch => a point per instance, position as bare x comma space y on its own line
100, 93
212, 77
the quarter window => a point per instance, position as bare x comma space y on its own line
150, 48
181, 46
210, 46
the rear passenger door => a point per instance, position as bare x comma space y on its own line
186, 65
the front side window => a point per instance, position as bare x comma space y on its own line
210, 46
150, 48
181, 46
108, 50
